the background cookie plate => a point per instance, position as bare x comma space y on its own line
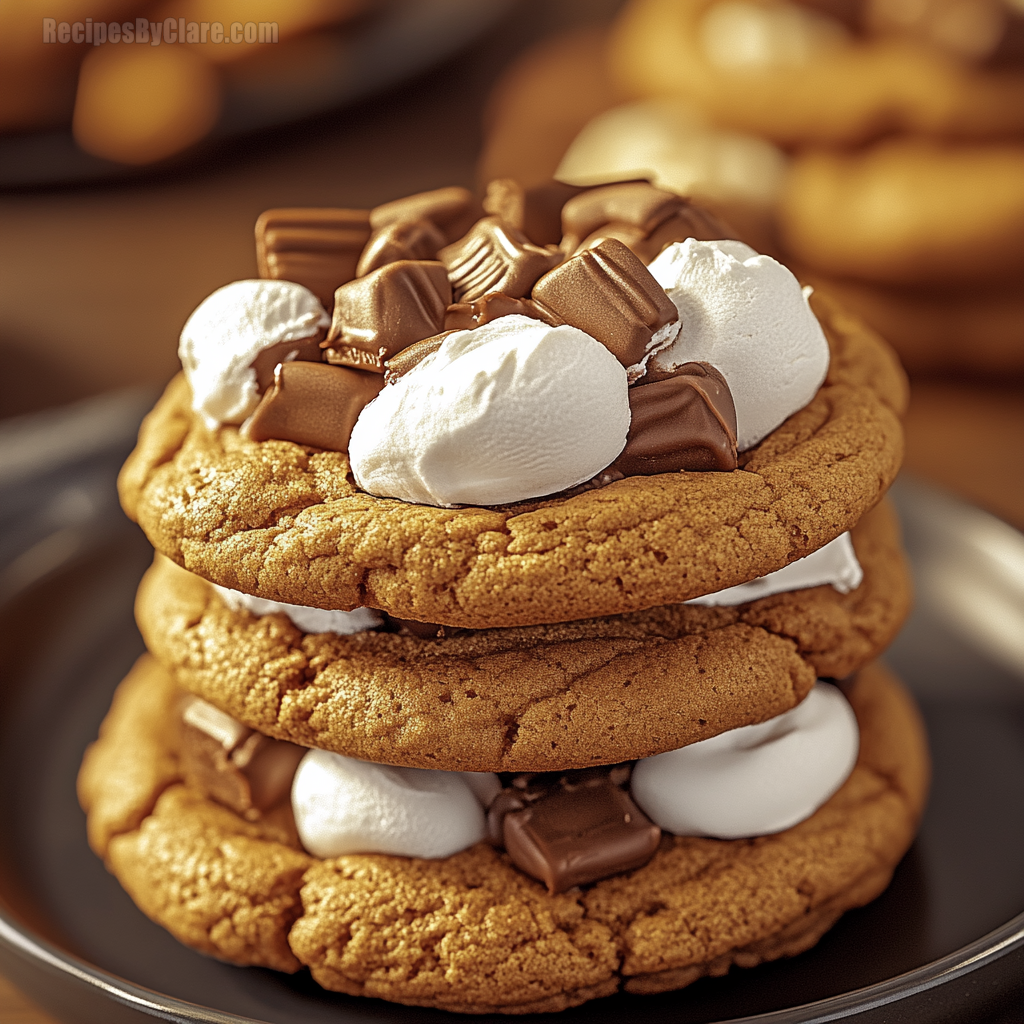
941, 944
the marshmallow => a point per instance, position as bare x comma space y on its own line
747, 316
835, 563
229, 329
754, 780
309, 620
511, 410
342, 805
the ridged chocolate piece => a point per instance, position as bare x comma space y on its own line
232, 764
608, 293
464, 316
452, 210
378, 315
536, 211
495, 257
635, 203
318, 247
685, 420
574, 828
403, 240
313, 404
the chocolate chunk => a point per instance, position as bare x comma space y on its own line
684, 420
452, 210
304, 349
494, 257
378, 315
313, 404
402, 240
636, 203
314, 246
401, 363
465, 316
576, 834
536, 211
240, 768
608, 293
688, 221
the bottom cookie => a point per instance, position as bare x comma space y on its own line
471, 933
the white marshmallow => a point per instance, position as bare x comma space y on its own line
342, 805
755, 780
309, 620
747, 316
834, 563
229, 329
512, 410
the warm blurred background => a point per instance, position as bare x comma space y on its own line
877, 146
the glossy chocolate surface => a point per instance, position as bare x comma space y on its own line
452, 210
401, 240
464, 316
536, 211
304, 349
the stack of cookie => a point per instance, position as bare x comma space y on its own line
514, 609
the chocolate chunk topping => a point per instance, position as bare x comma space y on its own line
688, 221
452, 210
495, 257
313, 246
683, 420
378, 315
314, 404
608, 293
402, 240
240, 768
305, 349
636, 203
536, 211
464, 316
401, 363
574, 828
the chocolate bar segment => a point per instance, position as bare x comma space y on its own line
403, 240
401, 363
240, 768
495, 257
452, 210
318, 247
313, 404
688, 221
608, 293
465, 316
635, 203
304, 349
378, 315
536, 211
685, 420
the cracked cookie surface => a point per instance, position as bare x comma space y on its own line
285, 522
533, 698
471, 933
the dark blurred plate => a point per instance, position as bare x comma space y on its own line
945, 942
321, 71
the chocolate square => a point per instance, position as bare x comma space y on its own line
536, 211
452, 210
636, 203
465, 316
402, 240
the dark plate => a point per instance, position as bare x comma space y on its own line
395, 41
944, 943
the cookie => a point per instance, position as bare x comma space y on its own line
531, 698
471, 933
285, 522
813, 85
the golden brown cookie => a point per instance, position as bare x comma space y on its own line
471, 933
534, 698
842, 95
285, 522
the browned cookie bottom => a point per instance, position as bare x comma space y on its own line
471, 933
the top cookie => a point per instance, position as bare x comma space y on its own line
284, 521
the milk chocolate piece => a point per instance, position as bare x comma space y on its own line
304, 349
402, 240
452, 210
608, 293
378, 315
401, 363
577, 832
688, 221
240, 768
536, 211
682, 420
317, 247
313, 404
465, 316
495, 257
636, 203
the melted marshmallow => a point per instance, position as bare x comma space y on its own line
229, 329
342, 805
755, 780
511, 410
309, 620
834, 564
746, 315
